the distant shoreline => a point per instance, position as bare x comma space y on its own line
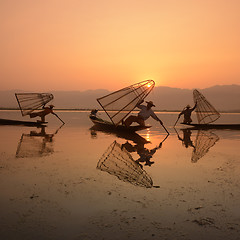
89, 109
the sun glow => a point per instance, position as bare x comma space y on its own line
148, 136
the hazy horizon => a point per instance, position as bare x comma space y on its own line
96, 89
224, 98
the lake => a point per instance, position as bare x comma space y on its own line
75, 182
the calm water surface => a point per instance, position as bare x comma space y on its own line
76, 182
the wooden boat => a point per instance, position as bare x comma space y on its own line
213, 126
24, 123
115, 128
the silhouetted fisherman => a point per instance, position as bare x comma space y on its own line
144, 114
186, 112
43, 113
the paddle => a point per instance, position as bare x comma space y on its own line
176, 132
178, 118
164, 128
59, 118
160, 144
176, 121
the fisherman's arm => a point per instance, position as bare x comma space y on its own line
194, 106
154, 116
180, 114
139, 104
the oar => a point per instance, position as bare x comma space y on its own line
160, 144
176, 132
164, 139
176, 121
164, 128
59, 118
58, 129
178, 118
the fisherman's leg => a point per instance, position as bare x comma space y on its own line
33, 115
43, 118
130, 120
188, 121
141, 122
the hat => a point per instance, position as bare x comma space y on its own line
51, 105
188, 106
150, 103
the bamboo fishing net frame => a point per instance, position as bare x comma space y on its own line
205, 112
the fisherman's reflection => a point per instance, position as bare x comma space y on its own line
47, 137
36, 143
93, 134
144, 153
186, 139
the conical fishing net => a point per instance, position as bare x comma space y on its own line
206, 113
28, 102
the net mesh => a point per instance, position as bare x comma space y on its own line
119, 162
28, 102
119, 104
204, 141
205, 112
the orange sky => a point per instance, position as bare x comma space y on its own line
89, 44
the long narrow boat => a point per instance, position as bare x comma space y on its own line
106, 125
213, 126
18, 122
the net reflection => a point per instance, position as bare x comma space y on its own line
204, 141
118, 161
36, 143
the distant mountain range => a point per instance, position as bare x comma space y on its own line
222, 97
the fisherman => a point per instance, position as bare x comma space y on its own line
43, 113
186, 112
93, 114
143, 115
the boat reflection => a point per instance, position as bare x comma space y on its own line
204, 141
132, 136
36, 143
118, 161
